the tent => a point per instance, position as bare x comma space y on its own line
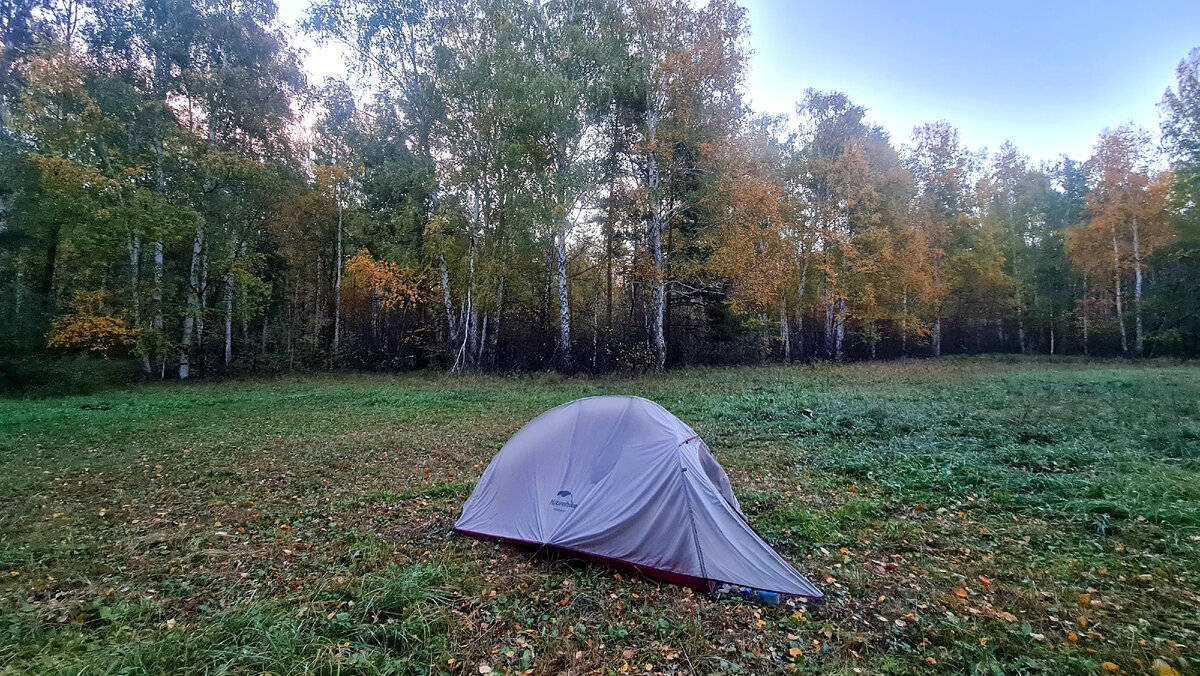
621, 480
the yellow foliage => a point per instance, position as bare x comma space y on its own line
87, 330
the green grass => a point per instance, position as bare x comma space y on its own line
990, 516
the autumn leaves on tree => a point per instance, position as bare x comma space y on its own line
511, 185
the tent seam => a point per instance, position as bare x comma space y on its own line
692, 516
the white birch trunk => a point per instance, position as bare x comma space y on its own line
193, 305
840, 330
495, 336
446, 299
135, 290
337, 283
654, 237
1137, 290
784, 329
800, 307
564, 310
157, 324
228, 321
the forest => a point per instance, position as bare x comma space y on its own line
518, 185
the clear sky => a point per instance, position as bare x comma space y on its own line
1048, 74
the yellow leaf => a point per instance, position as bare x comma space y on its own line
795, 652
1161, 668
1110, 667
1085, 601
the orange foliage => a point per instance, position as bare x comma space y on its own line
396, 286
86, 329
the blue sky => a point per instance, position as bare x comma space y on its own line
1047, 75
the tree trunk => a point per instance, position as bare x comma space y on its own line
446, 300
193, 305
1021, 333
800, 307
904, 325
1117, 292
1051, 334
608, 265
937, 336
46, 284
228, 321
658, 284
135, 291
135, 261
202, 354
840, 330
337, 283
828, 321
1137, 290
564, 310
472, 312
376, 306
18, 295
157, 324
784, 329
495, 337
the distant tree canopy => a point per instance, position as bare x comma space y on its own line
520, 184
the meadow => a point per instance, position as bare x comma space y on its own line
987, 516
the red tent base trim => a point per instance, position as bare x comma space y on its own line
697, 583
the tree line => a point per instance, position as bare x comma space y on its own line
530, 184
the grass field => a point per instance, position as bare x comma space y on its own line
964, 516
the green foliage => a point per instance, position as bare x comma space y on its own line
577, 184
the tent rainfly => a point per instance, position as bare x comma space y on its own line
621, 480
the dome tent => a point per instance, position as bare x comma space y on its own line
622, 480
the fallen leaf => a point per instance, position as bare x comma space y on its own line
960, 593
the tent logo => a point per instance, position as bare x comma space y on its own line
563, 502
